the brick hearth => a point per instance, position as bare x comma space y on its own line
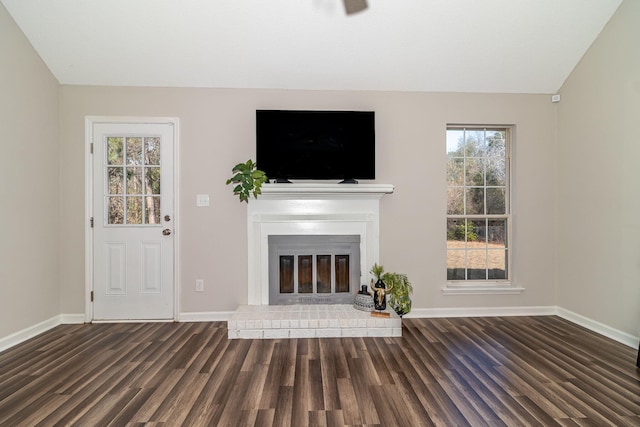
310, 321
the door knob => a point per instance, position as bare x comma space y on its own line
166, 232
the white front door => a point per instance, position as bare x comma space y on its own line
133, 217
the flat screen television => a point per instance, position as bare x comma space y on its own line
315, 145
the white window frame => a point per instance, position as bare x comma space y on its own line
488, 286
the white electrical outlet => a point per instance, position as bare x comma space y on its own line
199, 285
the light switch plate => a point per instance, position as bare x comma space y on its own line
202, 200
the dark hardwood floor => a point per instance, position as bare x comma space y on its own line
515, 371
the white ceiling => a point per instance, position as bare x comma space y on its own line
512, 46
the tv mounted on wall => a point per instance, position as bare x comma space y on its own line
316, 145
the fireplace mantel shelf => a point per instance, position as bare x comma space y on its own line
316, 190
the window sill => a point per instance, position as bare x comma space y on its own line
481, 290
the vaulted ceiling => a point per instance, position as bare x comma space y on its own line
510, 46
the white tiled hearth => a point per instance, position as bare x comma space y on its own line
310, 321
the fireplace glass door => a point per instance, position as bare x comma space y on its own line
313, 269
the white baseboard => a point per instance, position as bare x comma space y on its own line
223, 316
600, 328
205, 316
592, 325
481, 312
29, 332
68, 319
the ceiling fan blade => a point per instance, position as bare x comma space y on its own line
354, 6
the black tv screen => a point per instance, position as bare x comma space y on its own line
317, 145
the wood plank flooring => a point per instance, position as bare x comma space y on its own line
513, 371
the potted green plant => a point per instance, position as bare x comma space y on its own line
399, 289
399, 293
248, 180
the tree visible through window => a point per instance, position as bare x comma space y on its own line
133, 176
477, 203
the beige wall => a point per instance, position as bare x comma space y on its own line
598, 177
29, 190
217, 131
576, 223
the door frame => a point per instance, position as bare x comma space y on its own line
88, 184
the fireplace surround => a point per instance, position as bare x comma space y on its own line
308, 209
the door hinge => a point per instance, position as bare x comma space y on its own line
91, 222
91, 296
91, 148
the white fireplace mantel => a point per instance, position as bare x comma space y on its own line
311, 209
325, 191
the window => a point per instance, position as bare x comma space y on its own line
478, 204
133, 176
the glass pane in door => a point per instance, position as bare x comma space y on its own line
115, 210
134, 210
152, 150
152, 210
134, 151
115, 153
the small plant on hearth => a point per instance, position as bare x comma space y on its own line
399, 289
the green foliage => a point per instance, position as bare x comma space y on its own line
400, 292
377, 271
399, 287
248, 180
466, 228
477, 166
